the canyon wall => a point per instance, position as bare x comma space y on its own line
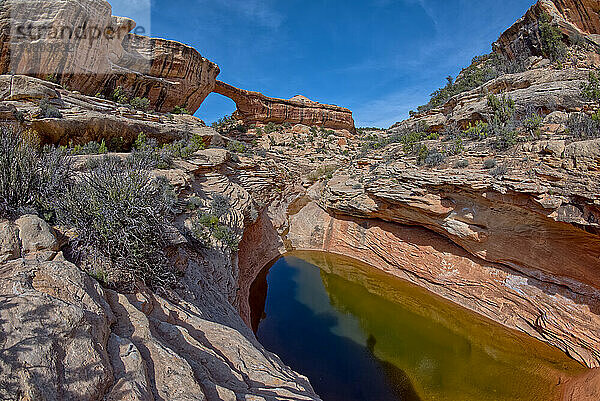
545, 310
36, 39
254, 107
573, 17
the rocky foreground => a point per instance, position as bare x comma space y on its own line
504, 223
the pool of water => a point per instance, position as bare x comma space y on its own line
360, 334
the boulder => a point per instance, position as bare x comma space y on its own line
10, 245
36, 235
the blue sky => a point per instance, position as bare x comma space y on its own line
380, 58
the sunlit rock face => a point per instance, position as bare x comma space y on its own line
573, 17
254, 107
82, 46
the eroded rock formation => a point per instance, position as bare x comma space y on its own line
254, 107
574, 17
86, 118
168, 73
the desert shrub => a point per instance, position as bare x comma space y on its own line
220, 205
462, 163
322, 172
532, 122
121, 215
31, 177
207, 226
478, 131
590, 90
90, 148
19, 116
434, 158
583, 126
272, 127
489, 164
456, 147
553, 46
503, 121
140, 103
482, 69
451, 131
236, 147
499, 171
48, 110
181, 110
119, 95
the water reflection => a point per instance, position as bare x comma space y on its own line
359, 334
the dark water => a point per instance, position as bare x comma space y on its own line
359, 334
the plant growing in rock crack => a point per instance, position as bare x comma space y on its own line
590, 90
503, 124
122, 217
489, 164
48, 110
532, 121
499, 171
582, 126
551, 37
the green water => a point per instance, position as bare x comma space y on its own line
359, 334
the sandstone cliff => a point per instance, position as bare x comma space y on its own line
519, 244
168, 73
254, 107
574, 17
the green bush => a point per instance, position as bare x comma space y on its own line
553, 46
272, 127
582, 126
489, 164
48, 110
482, 69
121, 215
434, 158
90, 148
533, 122
462, 163
206, 226
140, 103
236, 147
478, 131
499, 171
503, 121
220, 205
119, 95
181, 110
591, 89
31, 177
322, 172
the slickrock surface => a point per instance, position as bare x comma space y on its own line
254, 107
86, 118
547, 90
64, 337
168, 73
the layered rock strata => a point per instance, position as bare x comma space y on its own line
573, 17
86, 118
38, 39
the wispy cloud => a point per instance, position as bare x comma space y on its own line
261, 12
388, 109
